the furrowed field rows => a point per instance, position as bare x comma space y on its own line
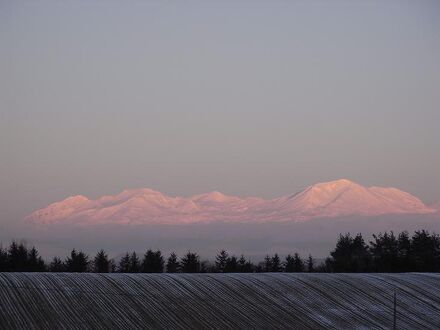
172, 301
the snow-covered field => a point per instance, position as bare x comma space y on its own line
299, 301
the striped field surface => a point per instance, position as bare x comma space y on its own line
219, 301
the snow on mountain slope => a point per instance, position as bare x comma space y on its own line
146, 206
436, 206
343, 197
62, 210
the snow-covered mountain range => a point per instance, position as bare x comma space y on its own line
145, 206
436, 206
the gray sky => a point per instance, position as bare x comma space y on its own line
246, 97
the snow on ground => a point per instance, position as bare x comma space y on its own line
300, 301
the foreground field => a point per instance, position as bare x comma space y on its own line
300, 301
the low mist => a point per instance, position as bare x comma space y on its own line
316, 237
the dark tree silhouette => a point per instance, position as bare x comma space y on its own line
361, 255
3, 260
206, 267
113, 266
17, 257
13, 257
135, 265
35, 262
298, 263
325, 267
78, 262
385, 252
56, 265
153, 262
425, 251
404, 248
310, 264
267, 264
276, 264
231, 265
221, 260
351, 255
172, 264
124, 264
190, 263
245, 266
289, 264
342, 254
101, 264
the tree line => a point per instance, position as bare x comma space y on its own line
386, 252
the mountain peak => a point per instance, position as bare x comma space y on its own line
213, 196
336, 184
216, 195
76, 199
139, 192
344, 197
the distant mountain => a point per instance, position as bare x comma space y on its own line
436, 206
145, 206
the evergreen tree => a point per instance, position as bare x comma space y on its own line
244, 266
135, 265
289, 264
298, 263
249, 267
78, 262
276, 264
350, 255
190, 263
101, 264
113, 267
385, 253
310, 264
124, 264
23, 260
327, 266
35, 262
4, 266
153, 262
241, 264
259, 268
404, 252
13, 257
231, 265
267, 264
172, 264
159, 262
221, 260
32, 260
361, 255
341, 255
17, 257
425, 252
205, 267
56, 265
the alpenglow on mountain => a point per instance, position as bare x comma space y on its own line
145, 206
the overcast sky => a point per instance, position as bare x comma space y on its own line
254, 98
